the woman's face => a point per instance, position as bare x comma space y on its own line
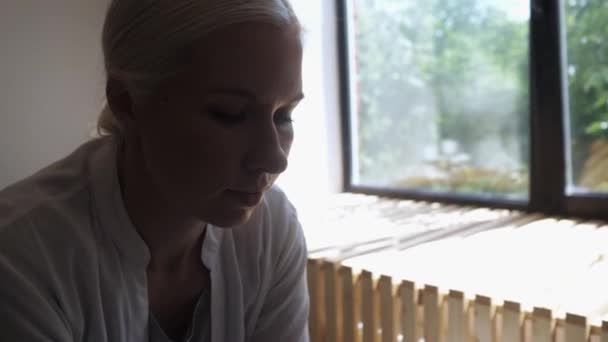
222, 133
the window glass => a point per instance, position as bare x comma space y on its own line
586, 72
440, 95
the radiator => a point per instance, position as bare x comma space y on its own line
384, 270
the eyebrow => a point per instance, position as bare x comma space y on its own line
247, 93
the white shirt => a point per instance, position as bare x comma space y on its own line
73, 267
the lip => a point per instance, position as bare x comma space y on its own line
246, 198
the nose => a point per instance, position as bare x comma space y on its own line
268, 150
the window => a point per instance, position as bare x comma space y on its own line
586, 69
493, 102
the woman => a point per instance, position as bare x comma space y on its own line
168, 227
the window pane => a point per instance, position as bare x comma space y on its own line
440, 95
586, 70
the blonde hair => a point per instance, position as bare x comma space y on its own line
147, 41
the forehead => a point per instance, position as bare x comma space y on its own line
263, 59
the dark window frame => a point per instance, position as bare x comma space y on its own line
548, 124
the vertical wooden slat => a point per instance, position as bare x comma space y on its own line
595, 334
385, 289
329, 276
339, 304
443, 311
470, 321
483, 321
367, 306
541, 325
348, 328
456, 318
407, 311
358, 314
511, 323
576, 327
397, 311
431, 314
377, 313
420, 329
497, 324
526, 327
559, 331
316, 300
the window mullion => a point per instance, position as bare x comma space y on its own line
548, 163
342, 40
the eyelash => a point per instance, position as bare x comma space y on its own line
283, 119
280, 119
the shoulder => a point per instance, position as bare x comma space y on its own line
273, 225
48, 188
279, 295
273, 236
278, 210
45, 219
284, 226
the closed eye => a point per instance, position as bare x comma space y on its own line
283, 118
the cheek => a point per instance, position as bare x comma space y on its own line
189, 158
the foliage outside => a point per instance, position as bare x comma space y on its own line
443, 92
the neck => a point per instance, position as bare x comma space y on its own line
173, 239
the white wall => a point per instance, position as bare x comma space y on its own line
51, 89
50, 80
315, 166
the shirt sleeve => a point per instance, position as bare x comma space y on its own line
284, 315
27, 310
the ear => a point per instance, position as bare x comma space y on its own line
120, 101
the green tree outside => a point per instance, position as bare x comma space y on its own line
456, 73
